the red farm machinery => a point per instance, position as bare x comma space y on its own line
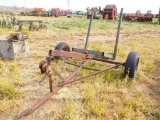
109, 12
138, 16
58, 12
83, 56
36, 12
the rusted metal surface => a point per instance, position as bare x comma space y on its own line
107, 61
50, 84
95, 73
14, 46
57, 73
52, 91
58, 12
46, 68
109, 12
38, 104
17, 36
70, 54
83, 67
138, 16
66, 81
96, 53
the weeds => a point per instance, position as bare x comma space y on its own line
108, 95
9, 96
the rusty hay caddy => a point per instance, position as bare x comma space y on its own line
62, 51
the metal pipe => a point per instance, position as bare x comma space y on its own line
89, 29
57, 74
83, 67
62, 84
50, 94
50, 83
117, 38
42, 80
76, 71
69, 54
108, 61
38, 104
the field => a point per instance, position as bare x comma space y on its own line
106, 96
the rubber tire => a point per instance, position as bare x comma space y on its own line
131, 65
62, 46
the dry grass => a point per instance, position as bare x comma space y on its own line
106, 96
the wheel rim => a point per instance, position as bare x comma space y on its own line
65, 49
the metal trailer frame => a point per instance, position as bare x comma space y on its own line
86, 55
